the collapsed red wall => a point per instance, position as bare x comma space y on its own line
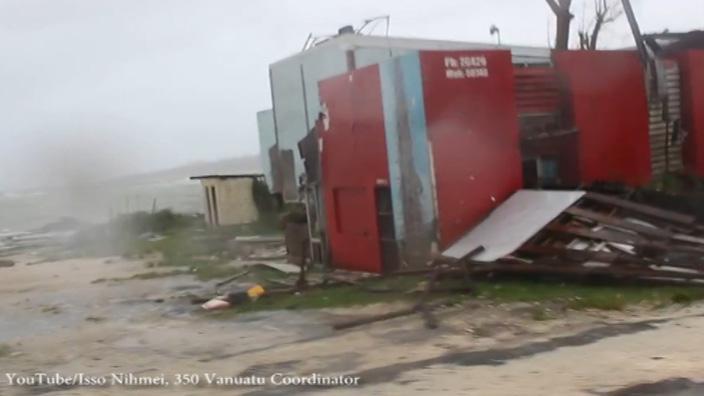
610, 108
353, 161
692, 82
472, 124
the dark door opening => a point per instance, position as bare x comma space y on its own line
215, 215
387, 232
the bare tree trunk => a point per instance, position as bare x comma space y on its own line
564, 18
595, 33
605, 12
583, 40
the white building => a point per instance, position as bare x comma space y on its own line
229, 199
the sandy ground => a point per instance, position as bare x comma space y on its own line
55, 319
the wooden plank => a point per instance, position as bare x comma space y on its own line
573, 254
624, 238
642, 209
576, 270
688, 238
602, 235
376, 318
620, 223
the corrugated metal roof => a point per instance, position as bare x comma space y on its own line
232, 176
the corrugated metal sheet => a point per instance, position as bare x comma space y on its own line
609, 106
692, 72
665, 150
537, 90
513, 223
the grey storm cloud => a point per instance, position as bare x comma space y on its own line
108, 87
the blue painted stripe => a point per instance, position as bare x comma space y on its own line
387, 72
410, 79
413, 89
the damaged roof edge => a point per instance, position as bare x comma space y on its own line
355, 41
229, 176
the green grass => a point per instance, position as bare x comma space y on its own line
677, 183
544, 294
579, 296
205, 252
268, 224
315, 299
180, 248
186, 235
407, 288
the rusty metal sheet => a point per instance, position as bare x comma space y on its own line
512, 223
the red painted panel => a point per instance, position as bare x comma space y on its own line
473, 128
610, 109
348, 222
692, 83
353, 160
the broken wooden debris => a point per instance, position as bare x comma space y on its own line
232, 278
646, 210
259, 239
348, 324
374, 318
423, 306
612, 238
590, 236
282, 267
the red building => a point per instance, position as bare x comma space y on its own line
415, 152
608, 105
691, 64
586, 119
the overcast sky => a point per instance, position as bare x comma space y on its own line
90, 87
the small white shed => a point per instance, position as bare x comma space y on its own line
229, 199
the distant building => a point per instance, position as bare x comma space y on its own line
296, 103
267, 143
229, 199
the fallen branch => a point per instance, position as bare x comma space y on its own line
231, 279
386, 316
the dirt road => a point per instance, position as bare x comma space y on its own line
55, 318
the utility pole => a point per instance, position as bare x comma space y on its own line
635, 29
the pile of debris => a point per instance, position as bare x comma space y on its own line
569, 235
578, 234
